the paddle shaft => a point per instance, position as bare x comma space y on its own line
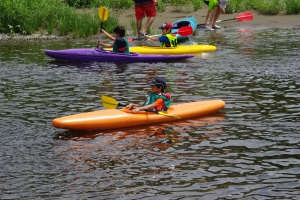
218, 21
123, 105
111, 103
101, 24
183, 31
242, 17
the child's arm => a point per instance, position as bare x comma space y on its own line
130, 106
147, 107
108, 35
222, 9
106, 45
155, 39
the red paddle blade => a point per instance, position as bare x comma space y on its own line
185, 31
130, 40
244, 16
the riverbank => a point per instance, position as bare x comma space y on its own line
171, 15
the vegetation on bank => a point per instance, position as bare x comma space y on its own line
80, 17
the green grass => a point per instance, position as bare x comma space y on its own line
113, 4
270, 7
267, 7
64, 17
29, 16
161, 6
292, 7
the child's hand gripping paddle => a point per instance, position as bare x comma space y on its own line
111, 103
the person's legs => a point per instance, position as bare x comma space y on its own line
207, 16
149, 23
212, 15
139, 15
216, 18
139, 27
150, 12
208, 12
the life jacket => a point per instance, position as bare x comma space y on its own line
153, 97
172, 41
124, 49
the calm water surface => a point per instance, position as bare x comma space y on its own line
249, 150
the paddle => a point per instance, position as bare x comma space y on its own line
183, 31
241, 17
111, 103
103, 15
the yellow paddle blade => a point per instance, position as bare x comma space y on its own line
109, 102
109, 106
103, 14
167, 115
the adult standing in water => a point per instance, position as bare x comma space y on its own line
144, 8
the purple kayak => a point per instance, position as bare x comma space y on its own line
100, 55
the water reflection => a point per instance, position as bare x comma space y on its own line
89, 66
120, 147
246, 37
252, 152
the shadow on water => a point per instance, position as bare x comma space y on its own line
88, 66
162, 136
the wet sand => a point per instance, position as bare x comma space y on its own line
170, 15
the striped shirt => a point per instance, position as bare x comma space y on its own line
142, 2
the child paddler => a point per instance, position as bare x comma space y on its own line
166, 39
120, 44
158, 100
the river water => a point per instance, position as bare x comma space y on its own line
249, 150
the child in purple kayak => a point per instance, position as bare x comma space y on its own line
120, 44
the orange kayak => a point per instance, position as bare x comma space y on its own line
108, 119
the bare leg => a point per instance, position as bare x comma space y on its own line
149, 23
216, 16
212, 15
207, 15
139, 26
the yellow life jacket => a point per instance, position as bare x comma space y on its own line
172, 41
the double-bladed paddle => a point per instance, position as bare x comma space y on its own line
111, 103
103, 15
241, 17
183, 31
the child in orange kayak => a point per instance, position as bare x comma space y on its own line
120, 44
158, 100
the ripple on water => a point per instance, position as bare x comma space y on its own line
250, 150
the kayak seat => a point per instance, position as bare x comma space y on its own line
183, 24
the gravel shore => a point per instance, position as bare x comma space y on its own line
33, 37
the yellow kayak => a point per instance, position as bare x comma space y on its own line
184, 49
